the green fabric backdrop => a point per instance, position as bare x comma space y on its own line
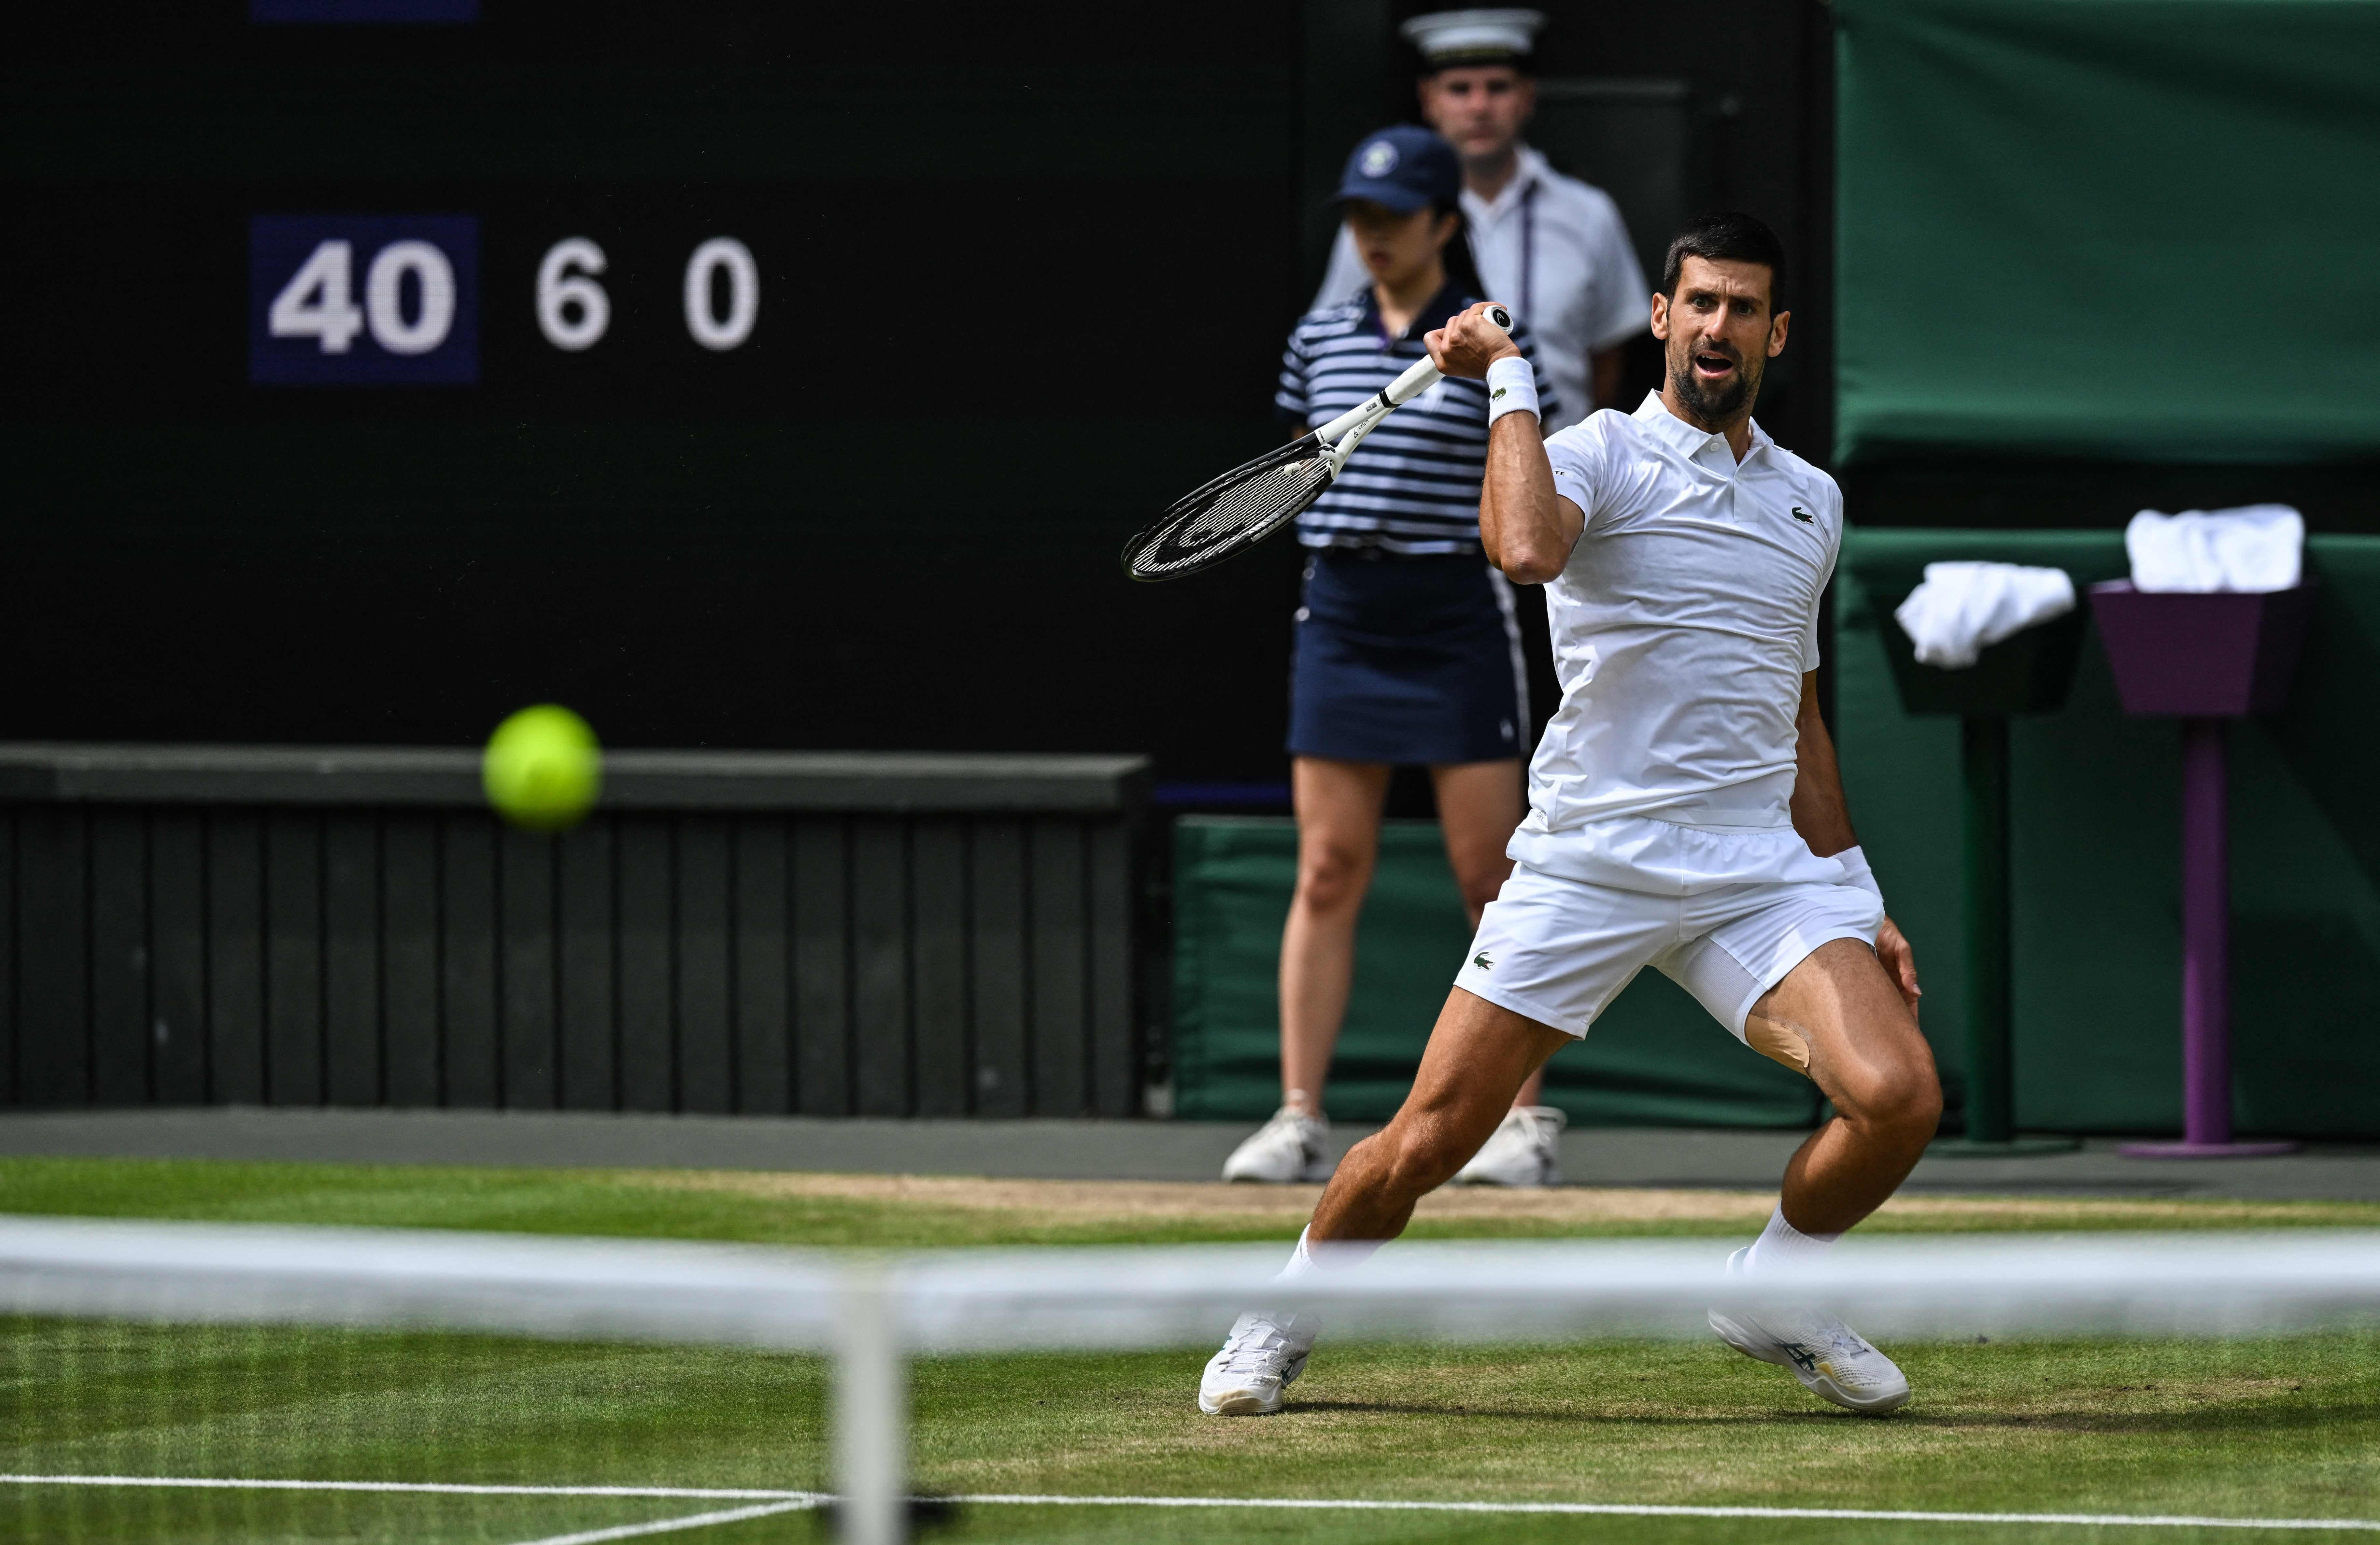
2097, 882
2134, 228
1654, 1059
2096, 820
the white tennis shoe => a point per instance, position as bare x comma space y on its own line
1833, 1361
1284, 1150
1525, 1149
1262, 1357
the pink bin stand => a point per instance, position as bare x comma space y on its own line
2204, 659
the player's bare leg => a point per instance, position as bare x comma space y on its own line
1479, 803
1478, 1054
1840, 1018
1338, 806
1864, 1049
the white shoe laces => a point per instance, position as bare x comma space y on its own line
1252, 1347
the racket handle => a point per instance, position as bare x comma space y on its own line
1424, 375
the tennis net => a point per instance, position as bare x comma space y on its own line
198, 1381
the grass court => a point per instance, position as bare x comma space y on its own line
2279, 1430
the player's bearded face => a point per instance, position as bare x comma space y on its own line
1714, 377
1718, 335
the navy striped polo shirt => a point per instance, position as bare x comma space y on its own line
1413, 485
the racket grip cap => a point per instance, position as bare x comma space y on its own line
1424, 375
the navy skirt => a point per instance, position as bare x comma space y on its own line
1407, 661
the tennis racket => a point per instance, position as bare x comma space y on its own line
1251, 501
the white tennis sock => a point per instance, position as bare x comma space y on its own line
1780, 1246
1339, 1254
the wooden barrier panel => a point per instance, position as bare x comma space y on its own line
827, 934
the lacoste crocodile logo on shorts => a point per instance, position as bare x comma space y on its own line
1482, 961
1805, 516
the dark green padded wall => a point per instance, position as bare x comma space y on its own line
2068, 226
2096, 876
2095, 819
1655, 1059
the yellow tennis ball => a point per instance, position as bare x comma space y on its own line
543, 769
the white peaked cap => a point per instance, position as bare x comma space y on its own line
1445, 37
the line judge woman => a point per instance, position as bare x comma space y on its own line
1406, 651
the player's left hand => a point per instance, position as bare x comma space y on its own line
1899, 963
1468, 343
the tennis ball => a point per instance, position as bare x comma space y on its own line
542, 769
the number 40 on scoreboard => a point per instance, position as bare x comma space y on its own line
366, 300
394, 300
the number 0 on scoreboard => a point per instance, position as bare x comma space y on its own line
375, 299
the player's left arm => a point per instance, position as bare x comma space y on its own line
1824, 819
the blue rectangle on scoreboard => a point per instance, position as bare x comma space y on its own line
363, 299
363, 10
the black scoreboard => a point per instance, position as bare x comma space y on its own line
741, 373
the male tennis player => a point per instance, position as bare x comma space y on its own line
1685, 813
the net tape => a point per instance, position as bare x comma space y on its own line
1236, 510
2187, 1284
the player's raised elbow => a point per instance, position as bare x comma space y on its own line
1527, 563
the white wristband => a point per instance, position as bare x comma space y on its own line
1512, 388
1856, 873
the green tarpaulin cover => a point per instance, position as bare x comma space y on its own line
1655, 1058
2142, 229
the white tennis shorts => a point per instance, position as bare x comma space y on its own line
1558, 950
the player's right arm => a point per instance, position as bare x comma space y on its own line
1526, 528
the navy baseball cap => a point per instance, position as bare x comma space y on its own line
1404, 167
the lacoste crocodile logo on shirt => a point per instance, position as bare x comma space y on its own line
1482, 961
1805, 516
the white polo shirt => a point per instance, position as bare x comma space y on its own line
1681, 628
1555, 249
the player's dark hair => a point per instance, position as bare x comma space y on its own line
1730, 236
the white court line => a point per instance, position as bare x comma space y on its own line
670, 1526
1660, 1510
695, 1493
999, 1499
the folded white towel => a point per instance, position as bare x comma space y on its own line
2255, 547
1963, 607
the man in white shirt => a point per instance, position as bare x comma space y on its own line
1685, 813
1553, 248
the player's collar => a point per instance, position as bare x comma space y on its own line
1654, 417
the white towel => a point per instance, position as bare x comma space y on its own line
2256, 547
1963, 607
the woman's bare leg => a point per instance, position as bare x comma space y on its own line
1338, 806
1479, 805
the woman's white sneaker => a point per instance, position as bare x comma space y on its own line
1525, 1149
1284, 1150
1262, 1357
1833, 1361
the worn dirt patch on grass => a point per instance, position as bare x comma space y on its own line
1583, 1206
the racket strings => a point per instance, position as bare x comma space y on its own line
1235, 510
